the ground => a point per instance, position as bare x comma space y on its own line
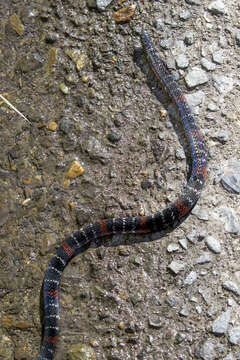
87, 94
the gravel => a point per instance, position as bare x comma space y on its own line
89, 96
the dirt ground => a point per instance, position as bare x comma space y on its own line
86, 92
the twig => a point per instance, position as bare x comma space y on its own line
13, 107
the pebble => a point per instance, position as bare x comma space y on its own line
195, 77
222, 136
198, 309
194, 2
212, 107
185, 15
165, 44
195, 99
234, 336
51, 37
222, 83
52, 126
75, 170
220, 325
205, 258
158, 23
231, 177
200, 213
155, 324
180, 154
237, 37
229, 357
230, 220
66, 125
191, 278
176, 266
98, 4
208, 65
184, 312
183, 243
192, 237
95, 149
146, 184
206, 350
189, 38
213, 244
125, 14
16, 24
212, 311
81, 352
172, 247
180, 337
64, 88
217, 7
182, 61
232, 286
114, 136
218, 57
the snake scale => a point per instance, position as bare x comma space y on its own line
165, 220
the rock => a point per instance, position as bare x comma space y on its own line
196, 77
194, 2
229, 357
98, 4
208, 65
182, 61
183, 243
191, 278
16, 24
222, 136
237, 37
189, 38
217, 7
165, 44
234, 336
212, 107
95, 149
81, 352
66, 125
204, 258
51, 37
75, 170
184, 312
232, 286
231, 177
220, 325
159, 24
155, 323
192, 237
114, 136
213, 244
206, 350
195, 99
172, 247
176, 266
230, 220
180, 154
223, 84
218, 57
200, 213
185, 15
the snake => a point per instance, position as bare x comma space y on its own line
165, 220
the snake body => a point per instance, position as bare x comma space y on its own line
165, 220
